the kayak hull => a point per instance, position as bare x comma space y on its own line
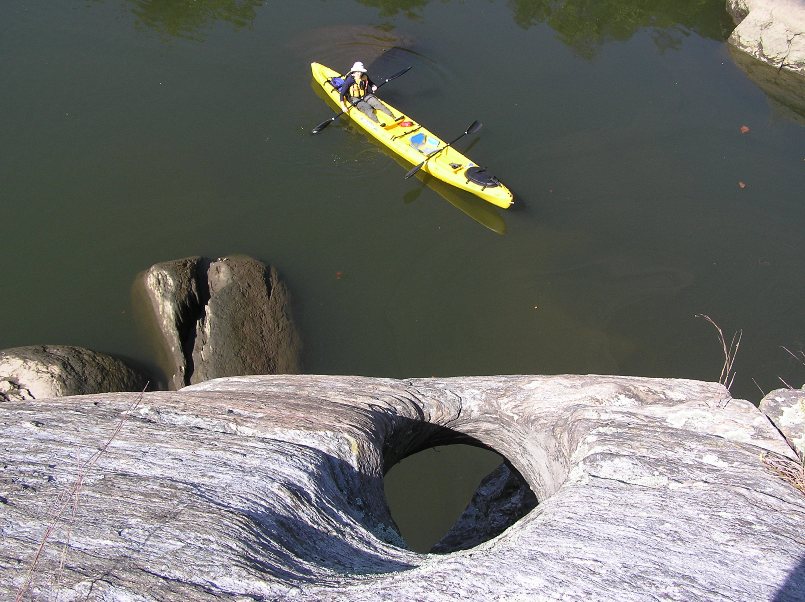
413, 143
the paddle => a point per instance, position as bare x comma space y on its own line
324, 124
474, 127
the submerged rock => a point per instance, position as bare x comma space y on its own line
271, 487
45, 371
226, 317
772, 31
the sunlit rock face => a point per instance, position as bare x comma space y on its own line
271, 487
44, 371
786, 409
772, 31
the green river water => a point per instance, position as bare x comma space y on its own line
138, 131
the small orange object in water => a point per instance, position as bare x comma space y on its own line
744, 129
338, 275
741, 185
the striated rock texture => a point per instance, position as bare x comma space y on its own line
772, 31
227, 317
786, 409
270, 488
43, 371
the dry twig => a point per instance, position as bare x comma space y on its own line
69, 497
730, 351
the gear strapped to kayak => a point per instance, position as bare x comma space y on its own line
417, 145
480, 176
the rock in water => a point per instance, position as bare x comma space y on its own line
772, 31
270, 488
227, 317
45, 371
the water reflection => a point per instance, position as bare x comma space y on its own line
390, 8
189, 19
586, 25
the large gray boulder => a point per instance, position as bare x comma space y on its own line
772, 31
786, 409
45, 371
270, 488
227, 317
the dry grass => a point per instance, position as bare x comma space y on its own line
788, 470
68, 498
730, 351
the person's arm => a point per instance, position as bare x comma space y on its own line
348, 81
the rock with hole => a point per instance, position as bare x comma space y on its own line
271, 488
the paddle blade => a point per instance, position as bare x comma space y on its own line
322, 125
474, 127
414, 170
396, 75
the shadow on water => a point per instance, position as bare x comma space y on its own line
793, 590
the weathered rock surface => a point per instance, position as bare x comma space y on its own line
786, 409
772, 31
227, 317
44, 371
270, 488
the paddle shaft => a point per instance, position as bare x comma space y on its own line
474, 127
324, 124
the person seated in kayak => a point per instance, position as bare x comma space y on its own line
358, 89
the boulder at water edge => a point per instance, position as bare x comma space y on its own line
271, 488
44, 371
226, 317
772, 31
786, 409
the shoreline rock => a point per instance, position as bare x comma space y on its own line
270, 487
771, 31
786, 409
46, 371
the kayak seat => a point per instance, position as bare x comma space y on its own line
424, 144
479, 175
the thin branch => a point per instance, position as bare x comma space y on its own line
71, 495
727, 376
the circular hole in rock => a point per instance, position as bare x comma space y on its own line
454, 497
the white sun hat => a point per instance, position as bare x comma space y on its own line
358, 66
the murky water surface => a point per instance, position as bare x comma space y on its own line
136, 131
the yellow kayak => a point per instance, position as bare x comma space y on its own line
409, 140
